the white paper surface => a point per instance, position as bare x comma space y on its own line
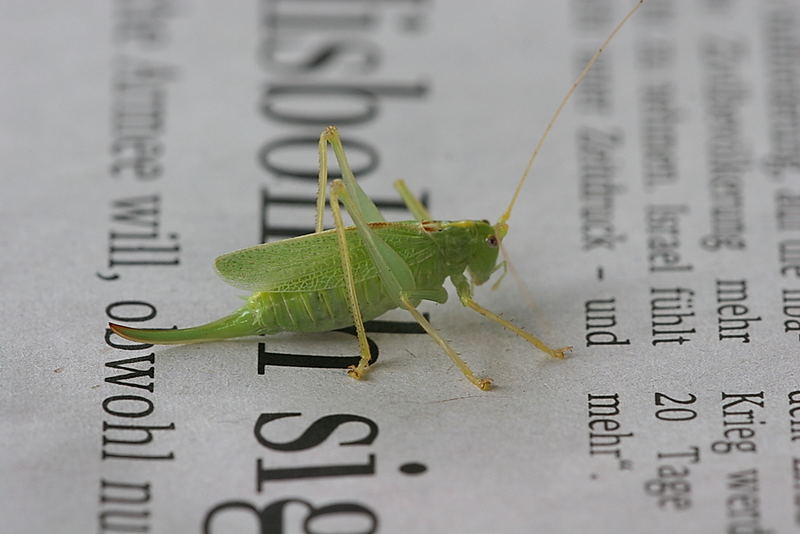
659, 234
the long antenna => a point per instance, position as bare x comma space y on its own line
507, 214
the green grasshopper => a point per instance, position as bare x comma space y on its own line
340, 277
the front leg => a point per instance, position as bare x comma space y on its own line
464, 290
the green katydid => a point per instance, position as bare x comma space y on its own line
344, 276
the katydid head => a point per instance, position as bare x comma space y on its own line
482, 260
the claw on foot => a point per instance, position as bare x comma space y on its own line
484, 384
560, 353
355, 372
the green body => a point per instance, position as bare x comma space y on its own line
300, 286
330, 279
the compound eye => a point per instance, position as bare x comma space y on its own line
492, 241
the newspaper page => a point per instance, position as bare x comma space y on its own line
658, 235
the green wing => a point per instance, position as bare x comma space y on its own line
311, 262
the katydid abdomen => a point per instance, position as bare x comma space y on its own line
268, 312
314, 299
